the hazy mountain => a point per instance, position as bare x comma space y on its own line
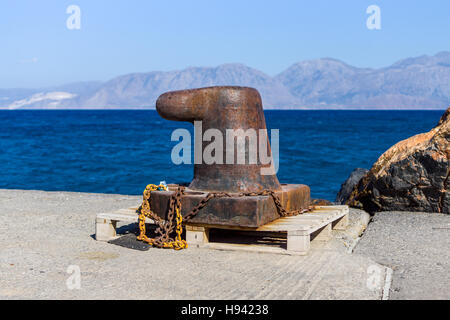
46, 98
142, 89
420, 82
322, 83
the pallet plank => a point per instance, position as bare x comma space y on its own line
299, 229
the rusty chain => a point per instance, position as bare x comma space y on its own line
166, 227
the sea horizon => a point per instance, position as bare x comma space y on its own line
98, 151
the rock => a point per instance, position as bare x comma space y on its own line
349, 184
321, 202
444, 118
413, 175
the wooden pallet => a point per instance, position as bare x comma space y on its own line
297, 230
106, 223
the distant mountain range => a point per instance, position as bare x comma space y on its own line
414, 83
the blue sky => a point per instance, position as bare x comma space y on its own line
119, 37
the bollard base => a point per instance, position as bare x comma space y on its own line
250, 212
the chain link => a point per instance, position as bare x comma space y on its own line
166, 227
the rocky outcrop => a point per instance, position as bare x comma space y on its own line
347, 187
413, 175
321, 202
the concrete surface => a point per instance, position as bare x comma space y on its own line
417, 247
43, 235
358, 222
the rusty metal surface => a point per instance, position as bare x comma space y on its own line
221, 108
249, 212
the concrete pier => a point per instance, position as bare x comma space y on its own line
45, 237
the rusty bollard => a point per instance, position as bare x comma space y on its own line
227, 109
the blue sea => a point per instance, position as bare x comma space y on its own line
123, 151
